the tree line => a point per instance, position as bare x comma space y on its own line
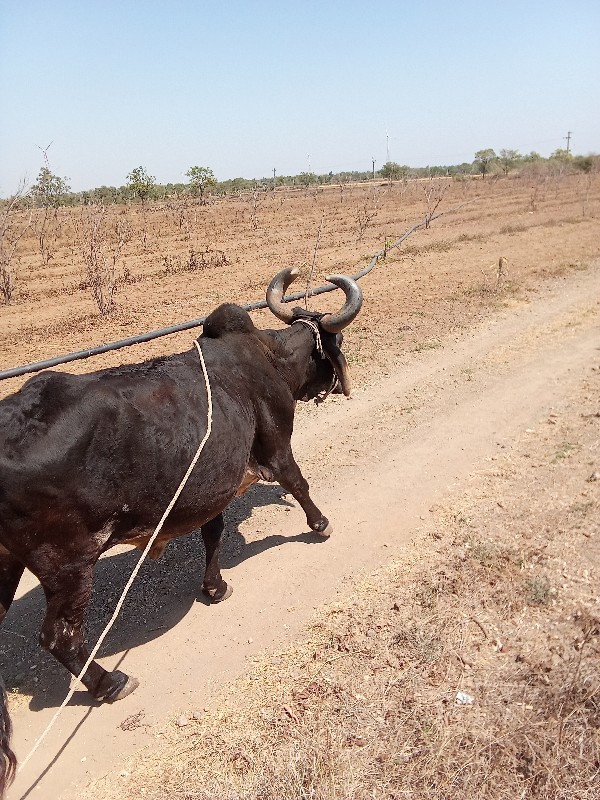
49, 190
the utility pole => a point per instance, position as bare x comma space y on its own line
568, 138
308, 156
373, 160
273, 177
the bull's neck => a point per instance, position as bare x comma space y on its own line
293, 356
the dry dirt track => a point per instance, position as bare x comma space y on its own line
376, 465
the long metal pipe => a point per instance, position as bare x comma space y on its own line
37, 366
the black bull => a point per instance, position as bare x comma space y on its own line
91, 461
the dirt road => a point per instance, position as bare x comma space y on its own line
376, 465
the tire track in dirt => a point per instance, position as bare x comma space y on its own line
376, 465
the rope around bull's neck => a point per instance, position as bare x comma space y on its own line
137, 567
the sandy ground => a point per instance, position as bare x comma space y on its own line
377, 464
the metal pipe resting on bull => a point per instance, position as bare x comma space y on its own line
37, 366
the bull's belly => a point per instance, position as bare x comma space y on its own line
254, 473
158, 545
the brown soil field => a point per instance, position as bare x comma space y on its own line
460, 480
439, 280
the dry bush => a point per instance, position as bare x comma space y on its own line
197, 260
103, 235
13, 226
434, 191
365, 214
255, 201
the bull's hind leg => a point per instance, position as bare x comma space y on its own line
68, 592
287, 473
10, 574
213, 585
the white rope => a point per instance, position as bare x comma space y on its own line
129, 583
316, 332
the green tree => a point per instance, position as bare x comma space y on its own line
561, 155
584, 163
508, 160
484, 159
202, 179
140, 184
392, 171
306, 178
49, 189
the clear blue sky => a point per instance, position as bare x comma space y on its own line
245, 87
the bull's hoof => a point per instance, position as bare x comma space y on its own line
130, 686
216, 595
323, 528
115, 686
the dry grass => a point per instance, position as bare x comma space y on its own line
500, 602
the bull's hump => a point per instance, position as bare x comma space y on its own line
227, 318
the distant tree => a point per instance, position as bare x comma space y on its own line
584, 163
104, 194
393, 172
140, 184
483, 160
49, 189
306, 178
533, 156
508, 160
561, 155
202, 179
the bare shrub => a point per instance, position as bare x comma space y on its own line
103, 236
501, 274
256, 201
585, 184
434, 194
365, 214
48, 192
181, 214
13, 226
197, 260
48, 233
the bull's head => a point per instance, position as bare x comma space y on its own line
332, 368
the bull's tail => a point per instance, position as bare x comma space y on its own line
8, 761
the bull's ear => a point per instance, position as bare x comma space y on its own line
340, 365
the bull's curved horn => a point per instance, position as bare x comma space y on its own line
277, 289
334, 323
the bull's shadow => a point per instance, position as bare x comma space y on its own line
162, 594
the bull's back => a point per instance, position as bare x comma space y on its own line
105, 452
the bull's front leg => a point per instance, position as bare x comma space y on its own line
287, 472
